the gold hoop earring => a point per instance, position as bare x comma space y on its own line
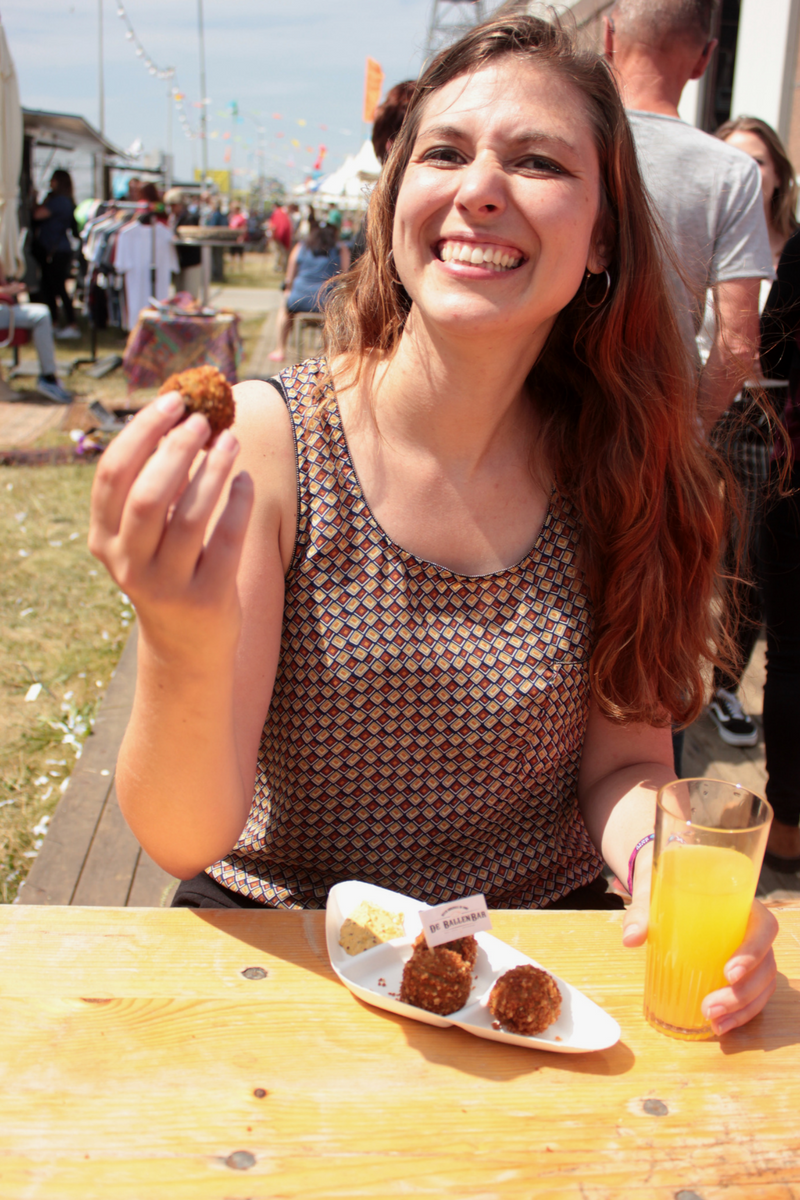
604, 297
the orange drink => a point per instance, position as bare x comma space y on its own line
709, 843
701, 899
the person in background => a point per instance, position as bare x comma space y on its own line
778, 568
190, 276
54, 221
707, 196
237, 220
134, 190
149, 194
217, 218
389, 117
281, 231
777, 563
743, 435
37, 319
312, 263
385, 127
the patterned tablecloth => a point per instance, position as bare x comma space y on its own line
159, 345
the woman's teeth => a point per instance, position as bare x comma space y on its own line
467, 252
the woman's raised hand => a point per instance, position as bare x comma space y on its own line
149, 523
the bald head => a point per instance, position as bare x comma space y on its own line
661, 24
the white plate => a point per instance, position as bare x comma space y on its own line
374, 976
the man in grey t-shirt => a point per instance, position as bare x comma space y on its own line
706, 193
708, 198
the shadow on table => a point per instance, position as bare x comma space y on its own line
274, 931
462, 1051
784, 1020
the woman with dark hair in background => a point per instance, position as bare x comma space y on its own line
389, 116
744, 436
442, 624
54, 221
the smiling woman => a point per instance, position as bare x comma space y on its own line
436, 635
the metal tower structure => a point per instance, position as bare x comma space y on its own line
449, 19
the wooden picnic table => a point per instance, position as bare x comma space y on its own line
197, 1055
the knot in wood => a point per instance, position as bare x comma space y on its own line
254, 973
240, 1160
655, 1108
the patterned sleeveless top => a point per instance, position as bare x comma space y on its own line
426, 728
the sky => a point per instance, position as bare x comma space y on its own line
301, 59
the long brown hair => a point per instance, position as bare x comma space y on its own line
615, 390
61, 183
783, 203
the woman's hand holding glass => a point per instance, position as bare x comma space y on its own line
751, 972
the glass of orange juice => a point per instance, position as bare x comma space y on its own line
710, 839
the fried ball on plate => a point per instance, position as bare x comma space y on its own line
467, 947
207, 391
525, 1000
437, 980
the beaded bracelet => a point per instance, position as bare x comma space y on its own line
632, 859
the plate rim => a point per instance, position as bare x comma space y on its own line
399, 1008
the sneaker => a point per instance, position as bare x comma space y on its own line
54, 391
732, 722
67, 335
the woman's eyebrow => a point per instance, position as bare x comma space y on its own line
540, 137
443, 131
531, 137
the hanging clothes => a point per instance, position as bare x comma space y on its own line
145, 254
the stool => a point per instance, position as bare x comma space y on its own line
302, 322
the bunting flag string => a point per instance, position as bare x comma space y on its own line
164, 73
130, 35
373, 85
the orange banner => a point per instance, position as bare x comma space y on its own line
373, 82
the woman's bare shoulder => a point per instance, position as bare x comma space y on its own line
263, 428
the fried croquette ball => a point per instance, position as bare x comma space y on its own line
207, 391
466, 947
437, 980
525, 1000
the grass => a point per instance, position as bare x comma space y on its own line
252, 270
64, 624
63, 621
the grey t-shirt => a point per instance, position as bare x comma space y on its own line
708, 195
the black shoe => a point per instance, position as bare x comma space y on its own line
732, 722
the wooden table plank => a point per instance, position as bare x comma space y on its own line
134, 1047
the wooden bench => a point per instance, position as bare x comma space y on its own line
302, 323
90, 856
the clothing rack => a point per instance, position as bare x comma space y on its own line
103, 366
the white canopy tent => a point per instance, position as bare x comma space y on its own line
351, 184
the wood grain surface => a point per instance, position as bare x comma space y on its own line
137, 1061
